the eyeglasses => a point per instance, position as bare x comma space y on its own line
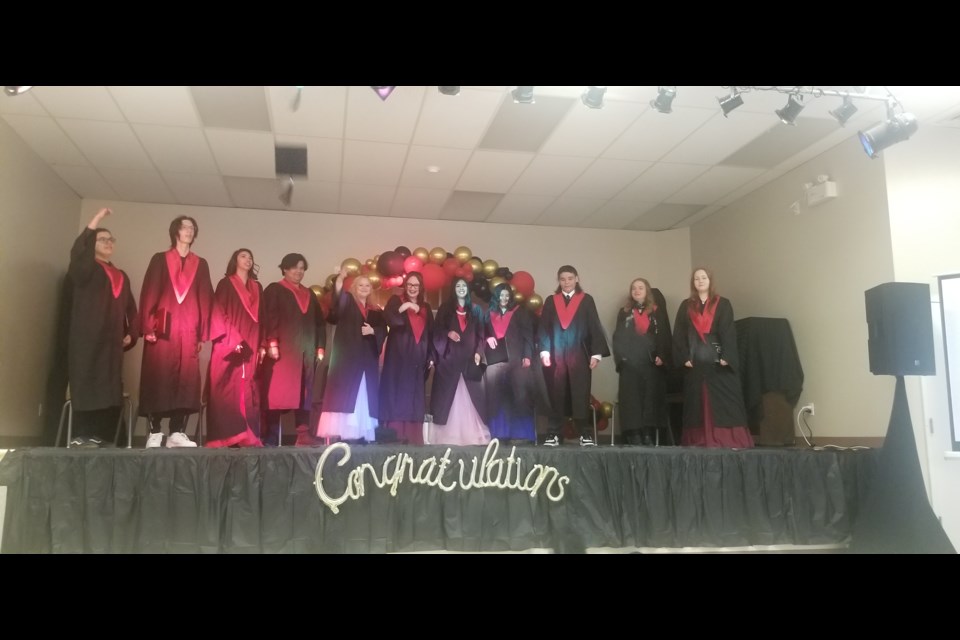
411, 285
107, 240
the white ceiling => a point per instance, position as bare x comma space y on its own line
555, 162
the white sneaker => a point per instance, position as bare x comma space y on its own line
179, 439
154, 440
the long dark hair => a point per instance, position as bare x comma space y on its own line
175, 229
232, 265
420, 294
711, 292
495, 300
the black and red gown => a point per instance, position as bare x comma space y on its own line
170, 373
408, 353
638, 339
103, 311
352, 393
233, 399
509, 384
572, 334
713, 409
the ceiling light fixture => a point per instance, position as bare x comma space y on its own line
730, 102
791, 110
664, 99
593, 97
523, 95
16, 91
383, 92
897, 128
845, 111
449, 91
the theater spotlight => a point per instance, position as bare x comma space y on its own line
896, 129
593, 97
449, 91
15, 91
383, 92
523, 95
791, 110
730, 102
664, 99
845, 111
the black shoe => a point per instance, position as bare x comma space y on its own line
552, 441
587, 441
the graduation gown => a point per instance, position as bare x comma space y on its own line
404, 375
509, 385
570, 352
353, 356
170, 374
288, 382
233, 406
723, 383
102, 313
453, 359
642, 384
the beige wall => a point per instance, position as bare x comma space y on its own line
607, 260
923, 185
39, 213
813, 269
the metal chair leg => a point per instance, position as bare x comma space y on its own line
63, 412
613, 424
69, 423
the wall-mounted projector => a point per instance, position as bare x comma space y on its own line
821, 192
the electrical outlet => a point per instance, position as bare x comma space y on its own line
809, 408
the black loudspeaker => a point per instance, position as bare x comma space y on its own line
900, 329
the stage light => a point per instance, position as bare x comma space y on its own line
523, 95
15, 91
383, 92
896, 129
730, 102
845, 111
593, 97
791, 110
449, 91
664, 99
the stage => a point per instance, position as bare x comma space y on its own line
421, 499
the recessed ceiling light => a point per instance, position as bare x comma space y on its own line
433, 169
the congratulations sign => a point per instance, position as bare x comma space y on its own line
491, 471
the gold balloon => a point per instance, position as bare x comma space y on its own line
317, 290
518, 297
475, 265
462, 254
495, 281
371, 264
606, 408
490, 268
438, 255
330, 281
375, 280
422, 253
352, 265
535, 302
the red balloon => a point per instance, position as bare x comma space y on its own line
451, 266
412, 263
348, 282
602, 424
433, 276
326, 301
569, 431
523, 282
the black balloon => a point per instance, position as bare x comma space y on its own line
403, 251
390, 264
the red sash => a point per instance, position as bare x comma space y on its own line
565, 312
362, 307
300, 292
182, 279
115, 276
501, 322
462, 318
703, 322
249, 295
418, 322
641, 322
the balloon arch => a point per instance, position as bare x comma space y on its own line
439, 268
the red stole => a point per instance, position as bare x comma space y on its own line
300, 292
249, 295
565, 312
115, 276
703, 322
462, 318
418, 322
362, 307
501, 322
181, 279
641, 322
